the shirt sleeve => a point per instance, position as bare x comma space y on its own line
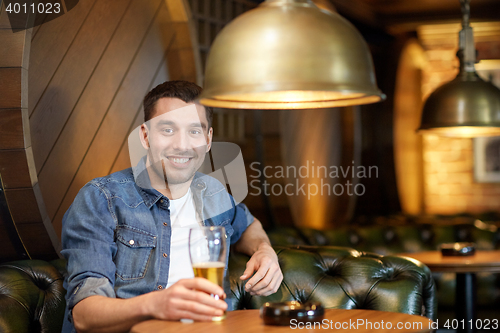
88, 246
242, 219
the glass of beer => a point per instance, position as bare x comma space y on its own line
207, 250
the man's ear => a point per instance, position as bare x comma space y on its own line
144, 136
209, 138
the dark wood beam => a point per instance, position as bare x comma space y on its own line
409, 21
357, 10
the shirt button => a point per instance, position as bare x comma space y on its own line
165, 255
161, 201
131, 242
160, 287
165, 224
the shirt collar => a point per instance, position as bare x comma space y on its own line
149, 195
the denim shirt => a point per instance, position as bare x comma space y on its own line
116, 235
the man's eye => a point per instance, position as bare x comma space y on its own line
195, 132
168, 130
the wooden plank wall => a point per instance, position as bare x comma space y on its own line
88, 73
23, 232
87, 98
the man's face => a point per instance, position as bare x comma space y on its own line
177, 139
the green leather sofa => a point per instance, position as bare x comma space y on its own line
393, 235
32, 296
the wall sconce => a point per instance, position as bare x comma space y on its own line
289, 54
467, 106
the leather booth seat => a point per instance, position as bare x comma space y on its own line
343, 278
390, 236
32, 295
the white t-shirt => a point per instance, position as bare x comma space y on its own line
183, 216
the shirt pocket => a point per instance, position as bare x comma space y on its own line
134, 252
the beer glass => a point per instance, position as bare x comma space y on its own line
207, 250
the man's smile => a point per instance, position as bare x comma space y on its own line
179, 160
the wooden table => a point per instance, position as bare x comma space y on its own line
465, 268
249, 321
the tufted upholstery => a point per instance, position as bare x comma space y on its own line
390, 239
344, 278
387, 238
32, 295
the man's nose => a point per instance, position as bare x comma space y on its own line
181, 141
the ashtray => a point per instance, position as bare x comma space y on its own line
458, 249
281, 313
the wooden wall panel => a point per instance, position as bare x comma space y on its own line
88, 73
20, 198
110, 142
49, 47
106, 143
34, 31
8, 251
58, 101
182, 57
122, 161
13, 88
103, 89
36, 240
21, 201
17, 168
32, 223
13, 50
82, 116
14, 129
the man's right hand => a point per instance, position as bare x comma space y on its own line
188, 299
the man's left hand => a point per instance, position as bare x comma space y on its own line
268, 276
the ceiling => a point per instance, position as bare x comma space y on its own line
406, 15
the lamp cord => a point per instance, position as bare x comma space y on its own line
465, 4
467, 49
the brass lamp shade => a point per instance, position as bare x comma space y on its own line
464, 107
289, 54
467, 106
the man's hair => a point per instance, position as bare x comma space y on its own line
183, 90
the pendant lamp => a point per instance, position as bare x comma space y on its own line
289, 54
467, 106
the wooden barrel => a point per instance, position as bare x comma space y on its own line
70, 93
408, 153
320, 149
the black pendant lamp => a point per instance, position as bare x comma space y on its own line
467, 106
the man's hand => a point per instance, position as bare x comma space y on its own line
188, 299
268, 276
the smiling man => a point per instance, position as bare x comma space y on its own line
125, 235
177, 137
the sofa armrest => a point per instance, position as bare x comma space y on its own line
31, 297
